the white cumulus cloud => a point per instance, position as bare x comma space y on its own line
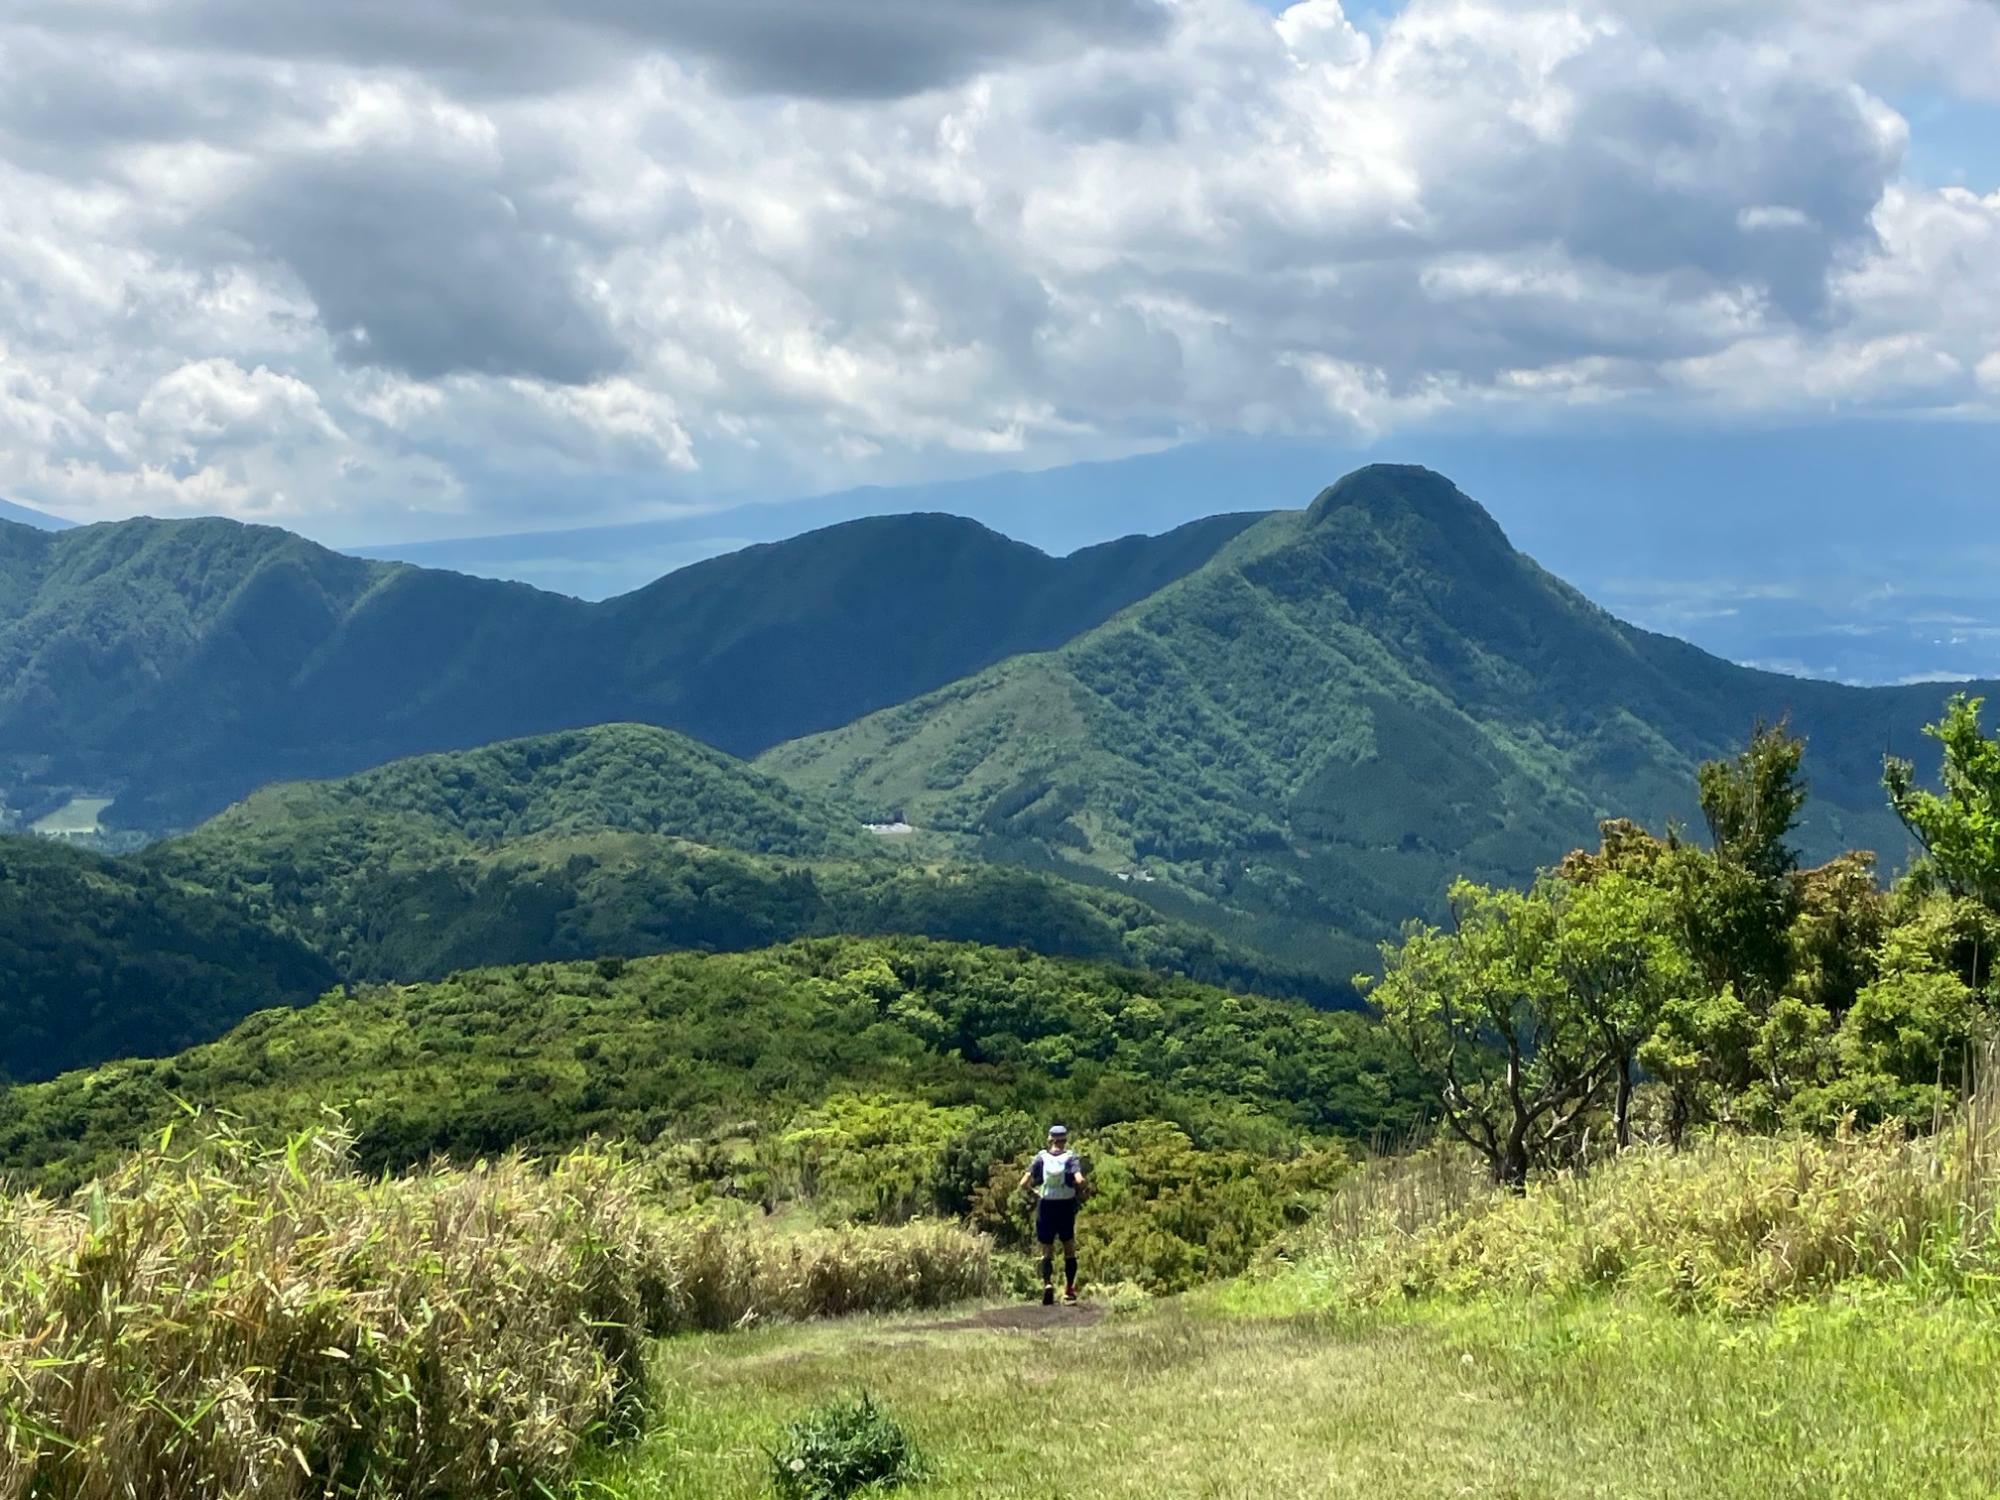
385, 267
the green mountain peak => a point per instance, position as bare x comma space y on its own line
1418, 504
1302, 741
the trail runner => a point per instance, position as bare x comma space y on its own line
1056, 1178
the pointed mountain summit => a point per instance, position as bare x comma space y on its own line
1310, 735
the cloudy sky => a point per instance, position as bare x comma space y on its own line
386, 269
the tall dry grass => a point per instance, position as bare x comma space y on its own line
222, 1320
1731, 1223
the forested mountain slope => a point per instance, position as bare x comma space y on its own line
1306, 738
624, 840
548, 1055
829, 626
182, 664
99, 958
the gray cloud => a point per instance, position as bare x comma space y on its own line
880, 48
1774, 188
401, 255
416, 269
840, 49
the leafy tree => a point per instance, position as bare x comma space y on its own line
1959, 829
1903, 1047
1737, 902
1752, 802
1842, 917
1485, 1014
1701, 1050
1619, 960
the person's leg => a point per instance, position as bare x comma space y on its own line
1069, 1266
1045, 1237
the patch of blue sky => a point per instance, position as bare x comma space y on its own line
1954, 142
1367, 14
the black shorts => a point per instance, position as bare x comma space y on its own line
1055, 1219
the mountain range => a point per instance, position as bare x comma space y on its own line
1302, 741
180, 665
1245, 750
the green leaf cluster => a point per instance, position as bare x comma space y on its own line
1756, 994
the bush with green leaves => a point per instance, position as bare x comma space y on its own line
1758, 995
545, 1057
1167, 1213
842, 1449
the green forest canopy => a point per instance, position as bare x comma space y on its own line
544, 1056
100, 958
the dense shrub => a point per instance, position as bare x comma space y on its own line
841, 1449
545, 1057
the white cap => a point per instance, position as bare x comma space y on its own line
1059, 1130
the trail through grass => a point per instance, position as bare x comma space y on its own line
1233, 1398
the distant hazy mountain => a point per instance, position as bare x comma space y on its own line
22, 516
1305, 739
182, 664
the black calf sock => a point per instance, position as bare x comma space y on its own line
1049, 1269
1069, 1269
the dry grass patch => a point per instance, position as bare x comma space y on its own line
224, 1320
1734, 1223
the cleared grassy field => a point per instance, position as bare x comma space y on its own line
1237, 1395
77, 816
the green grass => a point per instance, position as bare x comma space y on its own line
1588, 1399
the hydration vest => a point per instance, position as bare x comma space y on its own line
1053, 1171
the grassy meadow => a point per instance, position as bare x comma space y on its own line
1790, 1317
1753, 1317
1251, 1394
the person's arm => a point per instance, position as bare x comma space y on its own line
1032, 1177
